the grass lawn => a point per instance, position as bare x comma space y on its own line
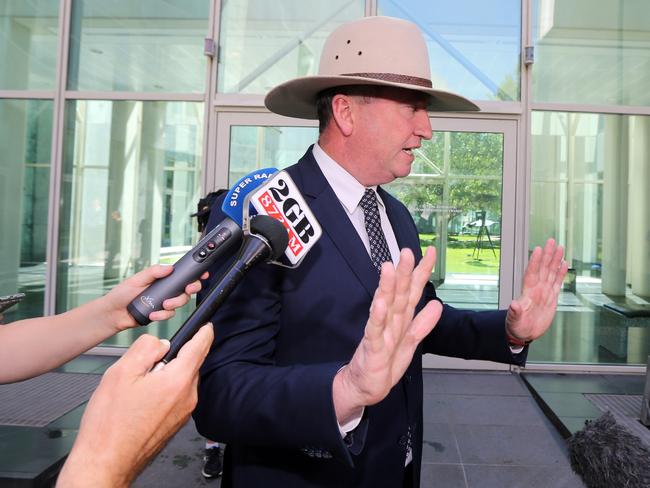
459, 255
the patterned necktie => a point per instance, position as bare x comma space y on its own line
379, 252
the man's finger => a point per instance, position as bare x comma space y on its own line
547, 256
555, 264
559, 278
403, 278
422, 273
376, 324
425, 321
532, 270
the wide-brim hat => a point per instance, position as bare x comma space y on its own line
371, 51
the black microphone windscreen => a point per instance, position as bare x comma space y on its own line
273, 231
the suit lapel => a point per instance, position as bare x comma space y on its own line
334, 220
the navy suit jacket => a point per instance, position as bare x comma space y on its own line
281, 337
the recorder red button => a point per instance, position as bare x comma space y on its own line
211, 245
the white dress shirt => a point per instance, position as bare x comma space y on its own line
349, 192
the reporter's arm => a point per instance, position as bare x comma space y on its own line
134, 412
34, 346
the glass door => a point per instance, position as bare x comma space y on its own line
456, 194
461, 193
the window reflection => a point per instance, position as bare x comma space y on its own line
264, 43
25, 136
595, 53
590, 191
256, 147
454, 196
130, 182
474, 45
138, 46
28, 44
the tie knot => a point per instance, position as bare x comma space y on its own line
368, 200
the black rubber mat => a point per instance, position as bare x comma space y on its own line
39, 401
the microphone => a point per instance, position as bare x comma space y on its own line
266, 241
199, 259
280, 198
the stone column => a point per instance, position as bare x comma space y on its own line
639, 205
615, 190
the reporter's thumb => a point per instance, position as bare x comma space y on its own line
146, 351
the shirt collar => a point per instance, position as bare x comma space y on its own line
346, 187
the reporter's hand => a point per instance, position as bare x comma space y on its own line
116, 300
134, 412
391, 336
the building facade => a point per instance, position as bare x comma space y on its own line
115, 117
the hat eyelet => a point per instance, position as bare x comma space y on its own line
336, 57
359, 53
348, 41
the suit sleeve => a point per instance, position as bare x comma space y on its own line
245, 397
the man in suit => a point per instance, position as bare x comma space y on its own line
315, 375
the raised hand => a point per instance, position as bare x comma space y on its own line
391, 336
532, 313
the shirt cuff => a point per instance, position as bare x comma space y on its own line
514, 350
351, 424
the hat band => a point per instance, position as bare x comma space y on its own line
394, 78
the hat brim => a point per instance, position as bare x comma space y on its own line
297, 97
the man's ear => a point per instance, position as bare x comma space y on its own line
342, 106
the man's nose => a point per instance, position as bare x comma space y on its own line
423, 125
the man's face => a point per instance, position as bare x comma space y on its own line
388, 127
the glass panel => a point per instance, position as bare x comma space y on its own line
28, 44
454, 195
130, 181
253, 147
474, 45
138, 46
590, 191
459, 215
264, 43
591, 51
25, 136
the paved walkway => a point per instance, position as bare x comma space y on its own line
481, 430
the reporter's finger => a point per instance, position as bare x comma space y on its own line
205, 275
192, 354
193, 288
150, 274
160, 315
176, 302
143, 354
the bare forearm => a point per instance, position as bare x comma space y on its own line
34, 346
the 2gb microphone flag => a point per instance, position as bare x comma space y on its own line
280, 198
